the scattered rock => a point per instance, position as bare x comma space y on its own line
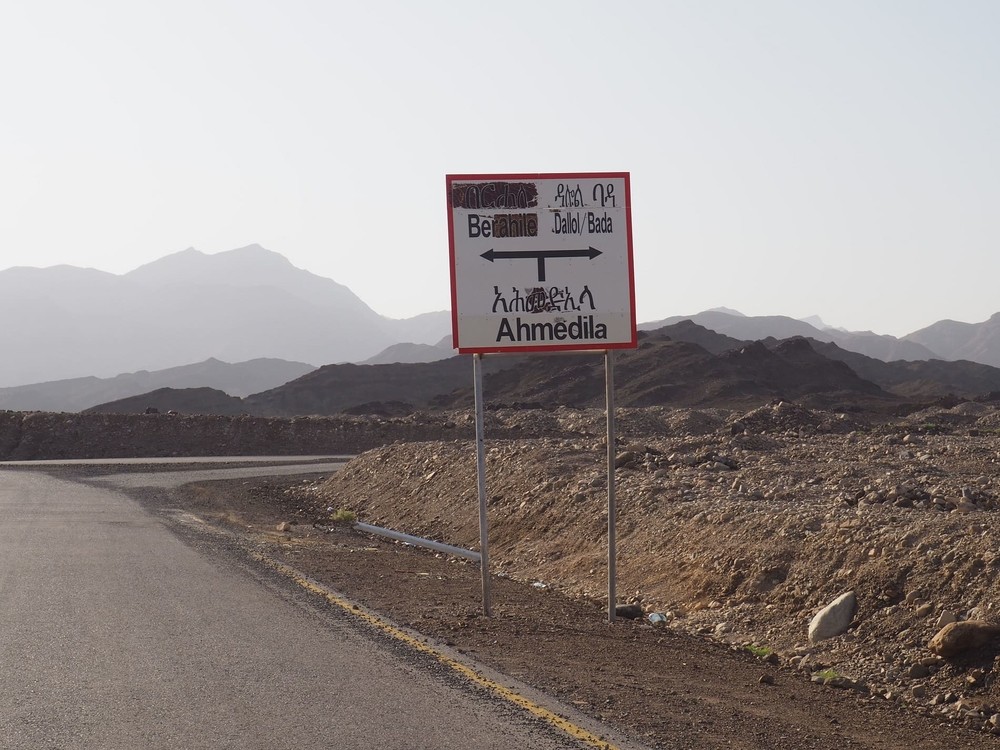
975, 678
628, 458
628, 611
957, 637
834, 618
838, 681
945, 618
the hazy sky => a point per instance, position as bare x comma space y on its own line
832, 158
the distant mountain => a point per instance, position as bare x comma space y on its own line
65, 322
181, 400
817, 322
978, 342
337, 388
920, 379
692, 333
77, 394
332, 389
413, 353
755, 328
429, 328
728, 311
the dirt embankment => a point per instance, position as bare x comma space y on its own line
743, 528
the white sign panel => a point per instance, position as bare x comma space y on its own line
541, 262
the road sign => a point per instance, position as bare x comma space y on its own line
541, 262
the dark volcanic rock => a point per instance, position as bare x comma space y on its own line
335, 388
182, 400
676, 373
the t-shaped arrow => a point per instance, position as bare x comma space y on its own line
540, 255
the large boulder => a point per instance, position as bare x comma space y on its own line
834, 618
956, 637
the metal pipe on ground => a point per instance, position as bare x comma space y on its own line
417, 541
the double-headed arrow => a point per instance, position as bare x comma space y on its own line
540, 256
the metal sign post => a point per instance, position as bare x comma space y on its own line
541, 263
484, 544
609, 380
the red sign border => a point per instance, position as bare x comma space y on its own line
451, 178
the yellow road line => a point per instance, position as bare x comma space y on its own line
501, 691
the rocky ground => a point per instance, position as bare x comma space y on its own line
739, 528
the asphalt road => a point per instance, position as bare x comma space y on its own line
115, 632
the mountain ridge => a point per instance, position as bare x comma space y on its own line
238, 305
237, 379
978, 342
250, 303
755, 328
680, 365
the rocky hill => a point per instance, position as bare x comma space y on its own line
680, 365
978, 342
926, 379
179, 400
663, 371
754, 328
336, 388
